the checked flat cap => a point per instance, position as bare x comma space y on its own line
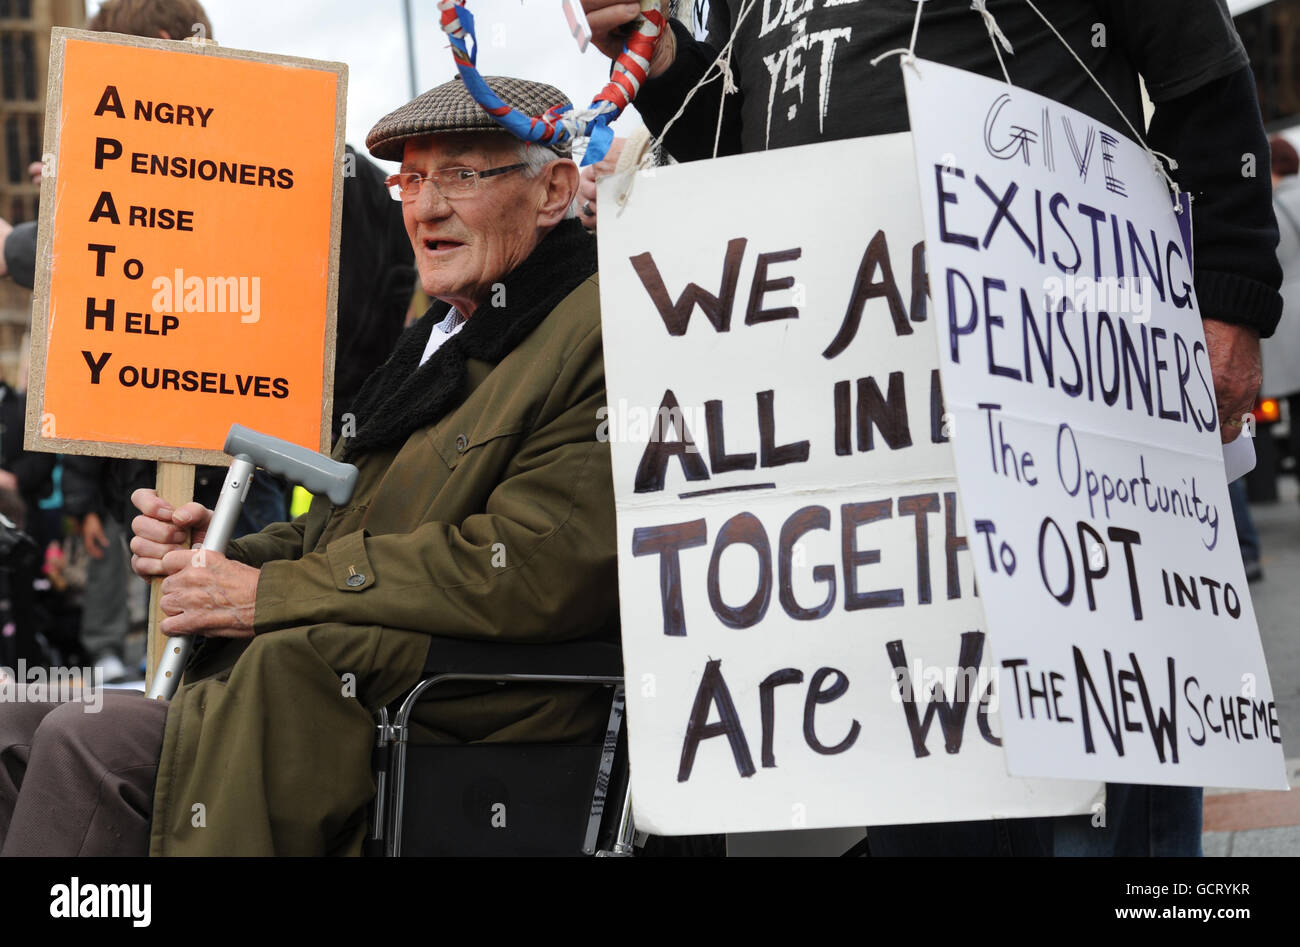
450, 108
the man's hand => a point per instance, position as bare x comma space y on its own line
159, 530
207, 594
35, 169
8, 481
6, 229
587, 184
93, 535
606, 19
1237, 372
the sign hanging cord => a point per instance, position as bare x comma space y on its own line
723, 66
996, 36
1158, 159
722, 63
908, 54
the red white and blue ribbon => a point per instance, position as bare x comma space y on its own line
561, 123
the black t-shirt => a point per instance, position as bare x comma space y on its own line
803, 67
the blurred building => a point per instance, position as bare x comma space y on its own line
24, 58
1271, 34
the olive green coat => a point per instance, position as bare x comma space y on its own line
497, 522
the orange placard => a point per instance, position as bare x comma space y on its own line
188, 248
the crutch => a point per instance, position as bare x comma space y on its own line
316, 472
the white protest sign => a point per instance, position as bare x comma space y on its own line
787, 517
1087, 445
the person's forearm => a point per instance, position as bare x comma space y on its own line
537, 565
1216, 136
275, 542
441, 579
692, 135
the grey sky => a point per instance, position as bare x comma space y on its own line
527, 38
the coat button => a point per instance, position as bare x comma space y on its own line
462, 442
356, 579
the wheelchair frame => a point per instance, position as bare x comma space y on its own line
386, 829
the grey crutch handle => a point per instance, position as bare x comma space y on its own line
316, 472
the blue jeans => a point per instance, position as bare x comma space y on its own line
993, 837
1247, 535
104, 616
1141, 821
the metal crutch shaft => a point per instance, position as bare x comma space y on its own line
317, 473
229, 504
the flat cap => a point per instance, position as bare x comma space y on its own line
450, 108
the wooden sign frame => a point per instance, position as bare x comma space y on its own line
34, 438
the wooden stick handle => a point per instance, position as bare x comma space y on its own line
176, 487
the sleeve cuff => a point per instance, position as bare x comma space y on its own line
349, 564
301, 591
235, 551
661, 96
1238, 301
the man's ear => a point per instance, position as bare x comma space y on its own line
561, 182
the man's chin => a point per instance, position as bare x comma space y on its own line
437, 285
452, 296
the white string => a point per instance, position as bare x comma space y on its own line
908, 54
1154, 155
996, 36
723, 64
728, 87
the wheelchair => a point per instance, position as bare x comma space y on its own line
504, 799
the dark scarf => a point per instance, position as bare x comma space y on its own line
402, 396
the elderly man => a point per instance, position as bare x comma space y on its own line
484, 509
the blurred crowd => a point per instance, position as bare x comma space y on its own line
67, 595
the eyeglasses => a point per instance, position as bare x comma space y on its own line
452, 183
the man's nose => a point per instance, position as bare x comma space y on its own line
430, 203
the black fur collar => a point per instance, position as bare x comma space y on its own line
402, 396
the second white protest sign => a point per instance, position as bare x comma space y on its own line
802, 640
1087, 445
